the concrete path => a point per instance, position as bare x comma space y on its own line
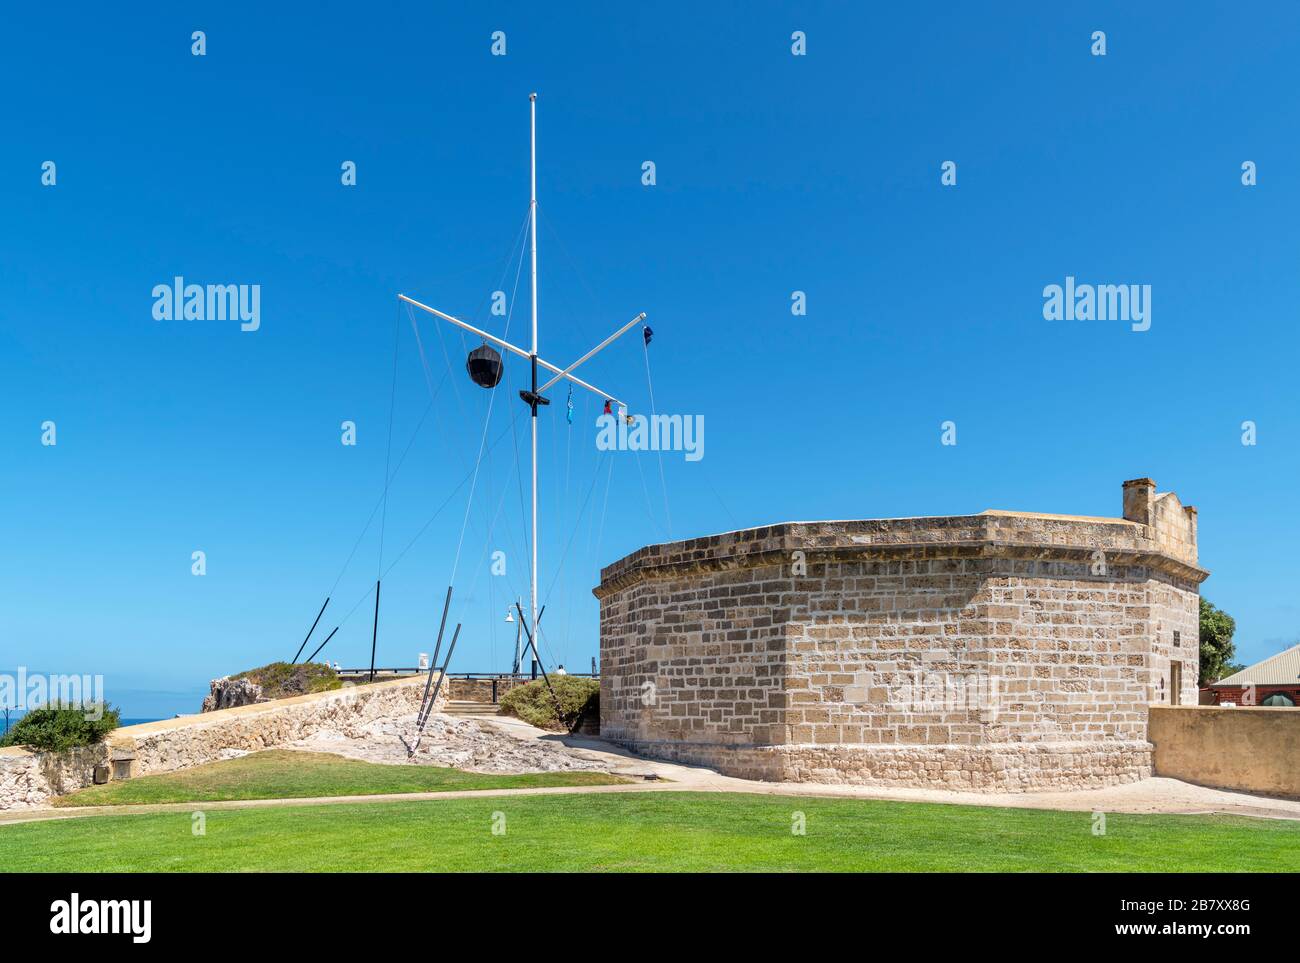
1157, 795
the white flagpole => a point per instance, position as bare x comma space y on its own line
532, 107
534, 396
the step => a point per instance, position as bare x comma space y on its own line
470, 709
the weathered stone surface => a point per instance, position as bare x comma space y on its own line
29, 779
447, 741
993, 651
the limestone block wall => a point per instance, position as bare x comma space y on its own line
483, 690
30, 779
993, 651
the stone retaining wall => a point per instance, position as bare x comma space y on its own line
30, 779
1252, 749
481, 690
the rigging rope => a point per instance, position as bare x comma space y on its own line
420, 534
592, 487
645, 346
374, 511
424, 363
390, 473
388, 453
469, 502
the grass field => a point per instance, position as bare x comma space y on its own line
653, 831
285, 774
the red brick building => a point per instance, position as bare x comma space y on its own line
1273, 682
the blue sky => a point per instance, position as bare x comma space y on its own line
775, 173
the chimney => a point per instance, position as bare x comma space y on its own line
1139, 500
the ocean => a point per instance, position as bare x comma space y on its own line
13, 721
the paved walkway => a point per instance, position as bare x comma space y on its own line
1157, 795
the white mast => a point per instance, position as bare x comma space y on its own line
532, 207
534, 397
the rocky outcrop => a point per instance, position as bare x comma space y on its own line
468, 744
227, 693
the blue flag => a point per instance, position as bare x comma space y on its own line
568, 414
647, 333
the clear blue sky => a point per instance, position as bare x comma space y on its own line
775, 173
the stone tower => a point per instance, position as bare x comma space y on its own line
998, 651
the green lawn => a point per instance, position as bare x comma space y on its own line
666, 831
285, 774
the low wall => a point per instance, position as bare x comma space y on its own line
483, 690
1252, 749
30, 779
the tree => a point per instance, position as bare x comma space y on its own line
1217, 649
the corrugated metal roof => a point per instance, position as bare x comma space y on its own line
1280, 669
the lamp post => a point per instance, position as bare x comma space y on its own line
510, 617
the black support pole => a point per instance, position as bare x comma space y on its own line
437, 647
433, 663
537, 659
442, 674
309, 632
374, 633
323, 644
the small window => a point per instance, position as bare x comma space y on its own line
1178, 638
1278, 699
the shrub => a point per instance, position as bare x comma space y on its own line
280, 679
533, 702
53, 728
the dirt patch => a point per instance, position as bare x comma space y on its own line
461, 743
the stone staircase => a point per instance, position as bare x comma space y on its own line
464, 708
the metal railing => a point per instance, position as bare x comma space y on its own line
494, 677
460, 675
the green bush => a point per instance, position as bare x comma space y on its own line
533, 702
52, 729
281, 679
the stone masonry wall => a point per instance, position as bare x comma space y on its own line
997, 651
482, 690
30, 779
